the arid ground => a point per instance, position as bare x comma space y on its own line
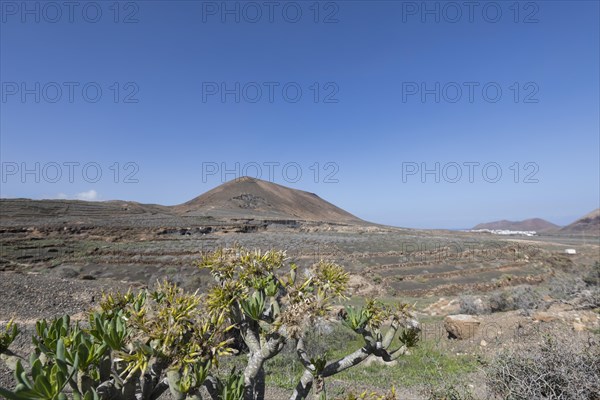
59, 257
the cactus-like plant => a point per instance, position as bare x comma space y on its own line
110, 329
48, 379
409, 337
10, 333
233, 387
135, 346
141, 345
356, 318
254, 305
268, 305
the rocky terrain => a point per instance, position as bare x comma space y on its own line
588, 224
141, 242
58, 257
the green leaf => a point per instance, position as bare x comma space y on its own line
42, 385
83, 353
254, 306
9, 395
8, 336
63, 366
66, 320
60, 350
21, 376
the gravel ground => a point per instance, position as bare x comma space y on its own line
29, 297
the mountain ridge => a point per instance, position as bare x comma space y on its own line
588, 224
531, 224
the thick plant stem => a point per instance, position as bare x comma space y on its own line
251, 374
259, 387
262, 347
349, 361
211, 386
303, 387
162, 387
108, 391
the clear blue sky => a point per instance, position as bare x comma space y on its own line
374, 66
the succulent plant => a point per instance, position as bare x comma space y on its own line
409, 337
356, 318
143, 344
233, 387
253, 306
9, 335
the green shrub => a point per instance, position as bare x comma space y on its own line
135, 344
141, 345
10, 333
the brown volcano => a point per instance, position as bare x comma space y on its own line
588, 224
249, 197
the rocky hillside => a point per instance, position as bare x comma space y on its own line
588, 224
249, 197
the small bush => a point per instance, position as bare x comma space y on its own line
592, 278
499, 301
517, 298
472, 305
565, 287
581, 290
559, 368
526, 298
588, 298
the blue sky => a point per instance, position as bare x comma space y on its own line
369, 94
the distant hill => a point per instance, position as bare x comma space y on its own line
240, 199
533, 224
27, 208
255, 198
27, 212
588, 224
